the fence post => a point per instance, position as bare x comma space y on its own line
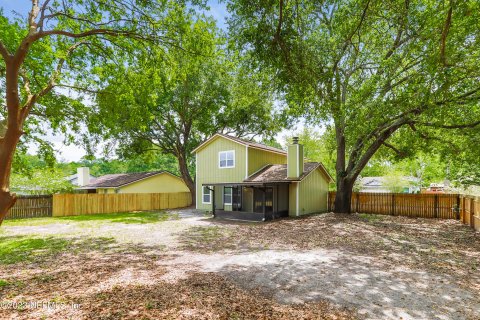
393, 204
357, 198
472, 212
435, 207
457, 210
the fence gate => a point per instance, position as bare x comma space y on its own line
31, 207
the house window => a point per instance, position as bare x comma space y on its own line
206, 195
227, 195
226, 159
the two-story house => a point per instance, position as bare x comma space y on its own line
246, 180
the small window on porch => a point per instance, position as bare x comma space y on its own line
227, 195
226, 159
206, 195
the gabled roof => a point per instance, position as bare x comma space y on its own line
278, 173
250, 144
122, 179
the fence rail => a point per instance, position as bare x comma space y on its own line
401, 204
31, 207
77, 204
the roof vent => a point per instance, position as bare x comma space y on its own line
295, 140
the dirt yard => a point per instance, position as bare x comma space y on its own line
182, 264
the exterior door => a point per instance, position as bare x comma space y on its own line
263, 199
237, 198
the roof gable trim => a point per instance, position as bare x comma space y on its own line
135, 181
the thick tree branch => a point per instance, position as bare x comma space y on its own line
32, 17
395, 149
450, 126
4, 52
92, 32
79, 88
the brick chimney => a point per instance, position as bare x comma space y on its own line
295, 159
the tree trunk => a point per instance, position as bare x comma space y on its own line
7, 150
343, 196
13, 132
185, 174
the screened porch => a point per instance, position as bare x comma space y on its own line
247, 201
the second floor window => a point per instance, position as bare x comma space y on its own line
226, 159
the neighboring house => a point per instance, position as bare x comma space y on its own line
383, 184
247, 180
138, 182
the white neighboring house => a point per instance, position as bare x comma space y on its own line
80, 178
379, 185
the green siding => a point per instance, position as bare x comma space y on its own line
292, 199
280, 197
313, 193
257, 159
209, 171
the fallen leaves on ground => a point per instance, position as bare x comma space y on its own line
442, 246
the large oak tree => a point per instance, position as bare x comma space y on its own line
370, 69
56, 45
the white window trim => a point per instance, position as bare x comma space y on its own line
210, 193
231, 196
226, 167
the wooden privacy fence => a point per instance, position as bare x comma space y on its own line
31, 207
402, 204
77, 204
470, 211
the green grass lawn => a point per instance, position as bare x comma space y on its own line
125, 217
37, 239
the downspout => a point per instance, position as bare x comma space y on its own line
246, 162
264, 204
213, 200
196, 182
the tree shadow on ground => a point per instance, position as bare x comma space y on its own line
200, 296
125, 217
64, 270
357, 282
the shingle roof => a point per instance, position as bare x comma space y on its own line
278, 173
121, 179
252, 144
